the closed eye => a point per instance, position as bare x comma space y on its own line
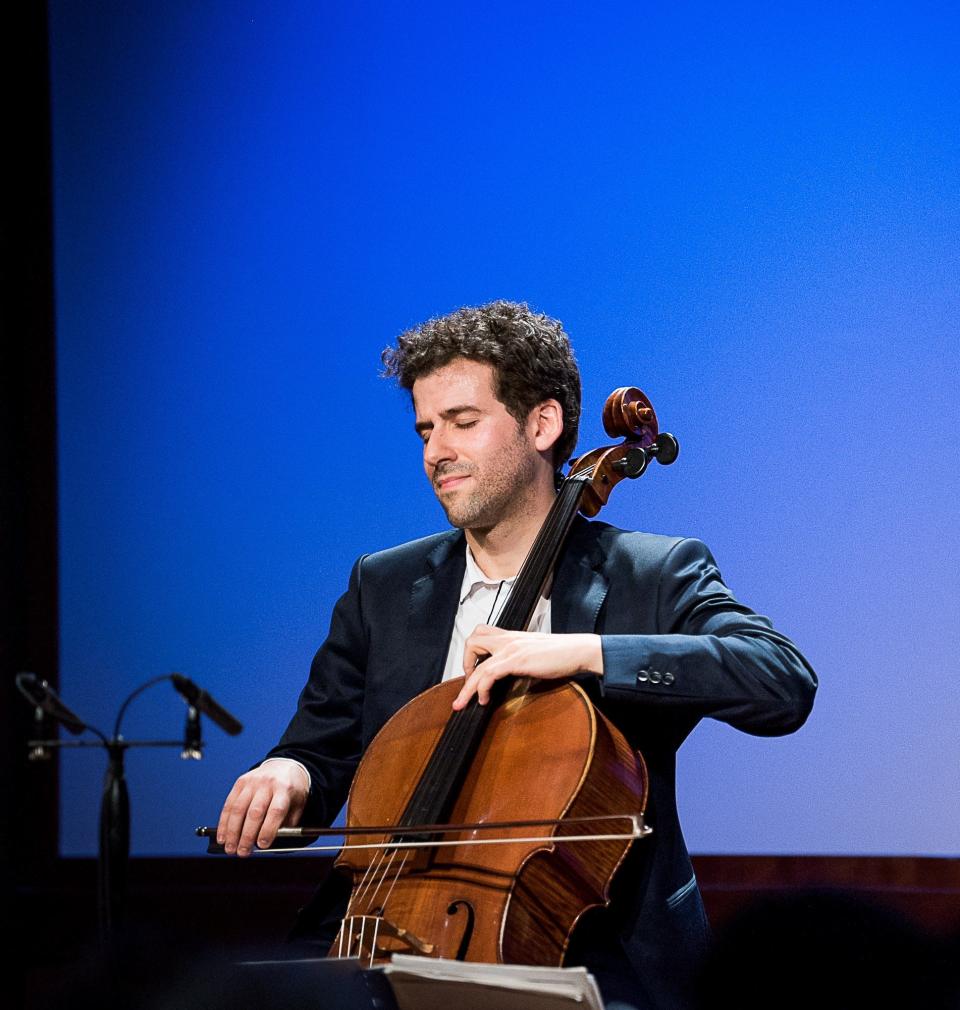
450, 416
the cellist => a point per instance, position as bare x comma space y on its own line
644, 622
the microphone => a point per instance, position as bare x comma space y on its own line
202, 702
42, 696
39, 751
192, 741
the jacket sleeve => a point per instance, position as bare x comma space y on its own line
711, 655
325, 732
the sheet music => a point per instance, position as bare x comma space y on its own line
426, 983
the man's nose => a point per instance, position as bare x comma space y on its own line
438, 449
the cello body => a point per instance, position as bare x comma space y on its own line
547, 754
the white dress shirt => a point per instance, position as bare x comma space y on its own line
482, 600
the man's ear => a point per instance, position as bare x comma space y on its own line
547, 423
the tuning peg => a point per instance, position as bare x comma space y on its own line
634, 463
666, 448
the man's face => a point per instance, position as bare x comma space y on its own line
480, 462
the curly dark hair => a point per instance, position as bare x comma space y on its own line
530, 353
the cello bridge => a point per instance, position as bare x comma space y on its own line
373, 938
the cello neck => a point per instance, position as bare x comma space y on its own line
539, 563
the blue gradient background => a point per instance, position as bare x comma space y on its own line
752, 214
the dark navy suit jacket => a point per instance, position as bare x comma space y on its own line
677, 646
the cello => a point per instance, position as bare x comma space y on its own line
485, 834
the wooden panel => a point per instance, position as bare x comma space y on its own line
925, 889
222, 904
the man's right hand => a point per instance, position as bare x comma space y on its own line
264, 799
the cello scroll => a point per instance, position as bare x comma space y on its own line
627, 413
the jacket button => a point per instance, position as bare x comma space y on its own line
655, 676
642, 676
668, 678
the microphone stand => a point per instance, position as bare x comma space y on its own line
114, 853
114, 843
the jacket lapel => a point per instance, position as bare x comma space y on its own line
580, 585
434, 599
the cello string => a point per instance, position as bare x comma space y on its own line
348, 926
373, 945
370, 871
396, 877
522, 602
347, 921
363, 880
506, 599
543, 548
541, 555
524, 586
383, 877
461, 734
369, 913
573, 493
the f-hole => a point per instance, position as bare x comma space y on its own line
455, 907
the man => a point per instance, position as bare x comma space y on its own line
644, 622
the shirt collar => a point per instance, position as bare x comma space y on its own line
474, 577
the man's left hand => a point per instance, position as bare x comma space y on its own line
491, 653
